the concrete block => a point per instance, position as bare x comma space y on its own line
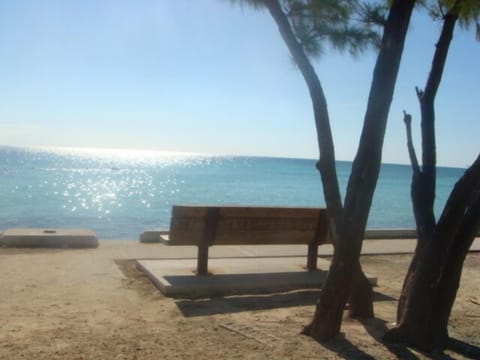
49, 238
177, 278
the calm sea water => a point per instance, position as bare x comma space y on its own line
118, 193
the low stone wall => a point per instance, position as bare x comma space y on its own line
48, 238
390, 234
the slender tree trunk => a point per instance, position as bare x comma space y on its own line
326, 163
360, 306
340, 281
345, 278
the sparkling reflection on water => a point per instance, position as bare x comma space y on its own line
120, 193
109, 190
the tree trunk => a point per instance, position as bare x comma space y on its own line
348, 226
452, 271
361, 296
363, 306
430, 288
362, 182
417, 312
326, 164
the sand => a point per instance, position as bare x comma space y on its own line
94, 304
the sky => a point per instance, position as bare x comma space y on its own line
206, 76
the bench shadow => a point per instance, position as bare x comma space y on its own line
239, 303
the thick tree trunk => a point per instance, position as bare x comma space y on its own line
327, 321
452, 271
416, 312
407, 283
361, 296
430, 288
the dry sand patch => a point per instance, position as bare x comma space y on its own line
88, 305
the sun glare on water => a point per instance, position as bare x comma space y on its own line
124, 155
98, 183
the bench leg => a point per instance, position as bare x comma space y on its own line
202, 260
208, 237
312, 257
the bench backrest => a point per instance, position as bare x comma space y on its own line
237, 225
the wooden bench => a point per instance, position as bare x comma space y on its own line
204, 226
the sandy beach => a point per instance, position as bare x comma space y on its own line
94, 304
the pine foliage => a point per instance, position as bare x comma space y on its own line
468, 12
344, 25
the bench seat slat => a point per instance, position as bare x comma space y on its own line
204, 226
247, 211
247, 225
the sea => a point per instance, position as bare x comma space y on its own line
120, 193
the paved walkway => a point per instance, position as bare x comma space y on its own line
120, 249
249, 269
70, 270
130, 249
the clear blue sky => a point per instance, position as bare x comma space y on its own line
204, 76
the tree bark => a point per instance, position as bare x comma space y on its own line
430, 288
345, 278
441, 249
361, 296
423, 179
362, 182
450, 279
326, 164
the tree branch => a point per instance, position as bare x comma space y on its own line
457, 203
407, 119
470, 224
366, 165
441, 50
440, 8
419, 93
427, 96
425, 196
326, 163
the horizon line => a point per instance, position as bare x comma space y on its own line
194, 153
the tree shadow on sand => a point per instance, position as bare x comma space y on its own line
377, 328
346, 349
462, 348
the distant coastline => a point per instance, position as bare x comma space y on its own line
151, 152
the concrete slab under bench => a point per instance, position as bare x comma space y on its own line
247, 275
